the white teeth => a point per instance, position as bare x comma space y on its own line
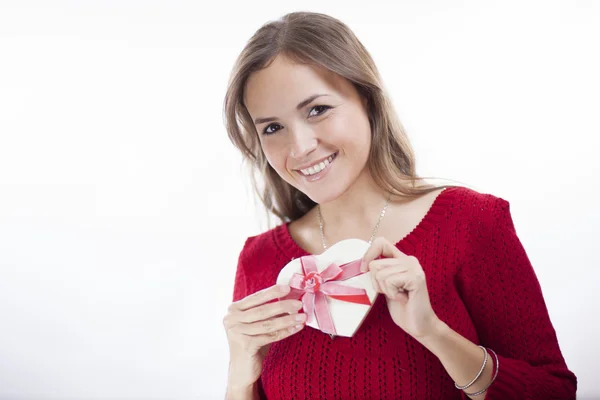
317, 167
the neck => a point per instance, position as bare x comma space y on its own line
356, 211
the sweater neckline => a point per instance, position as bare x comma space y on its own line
288, 245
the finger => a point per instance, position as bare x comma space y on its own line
384, 273
380, 247
383, 263
389, 290
270, 310
394, 284
263, 340
397, 295
392, 280
375, 283
373, 270
260, 297
376, 266
272, 325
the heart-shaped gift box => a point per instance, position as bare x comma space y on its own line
336, 296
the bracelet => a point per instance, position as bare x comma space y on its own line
493, 379
485, 358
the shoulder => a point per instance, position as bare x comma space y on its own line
483, 215
478, 205
471, 198
259, 247
256, 253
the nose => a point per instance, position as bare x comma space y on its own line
303, 143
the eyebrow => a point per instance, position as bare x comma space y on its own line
298, 107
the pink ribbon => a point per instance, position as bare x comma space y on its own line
313, 288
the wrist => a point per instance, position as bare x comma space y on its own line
241, 392
435, 335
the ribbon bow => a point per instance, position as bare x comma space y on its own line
313, 288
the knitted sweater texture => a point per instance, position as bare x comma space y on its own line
481, 284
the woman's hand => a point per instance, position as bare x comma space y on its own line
402, 280
252, 324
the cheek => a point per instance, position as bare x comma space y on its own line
274, 154
335, 130
351, 132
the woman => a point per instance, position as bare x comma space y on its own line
461, 313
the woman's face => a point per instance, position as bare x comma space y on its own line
319, 145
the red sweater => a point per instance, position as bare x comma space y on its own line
481, 284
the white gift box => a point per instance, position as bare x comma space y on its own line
346, 315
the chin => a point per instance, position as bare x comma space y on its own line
328, 193
331, 186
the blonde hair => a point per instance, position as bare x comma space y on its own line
318, 39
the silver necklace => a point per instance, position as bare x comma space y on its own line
381, 214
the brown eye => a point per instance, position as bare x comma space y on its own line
267, 132
321, 107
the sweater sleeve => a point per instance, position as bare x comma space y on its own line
239, 284
505, 301
241, 290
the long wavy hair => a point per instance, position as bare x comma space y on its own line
318, 39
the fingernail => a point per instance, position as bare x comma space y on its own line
300, 317
293, 329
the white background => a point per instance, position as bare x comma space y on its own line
123, 206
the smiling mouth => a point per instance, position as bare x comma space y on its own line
315, 169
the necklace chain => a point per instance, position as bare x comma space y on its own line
381, 214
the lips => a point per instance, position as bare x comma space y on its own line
317, 167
